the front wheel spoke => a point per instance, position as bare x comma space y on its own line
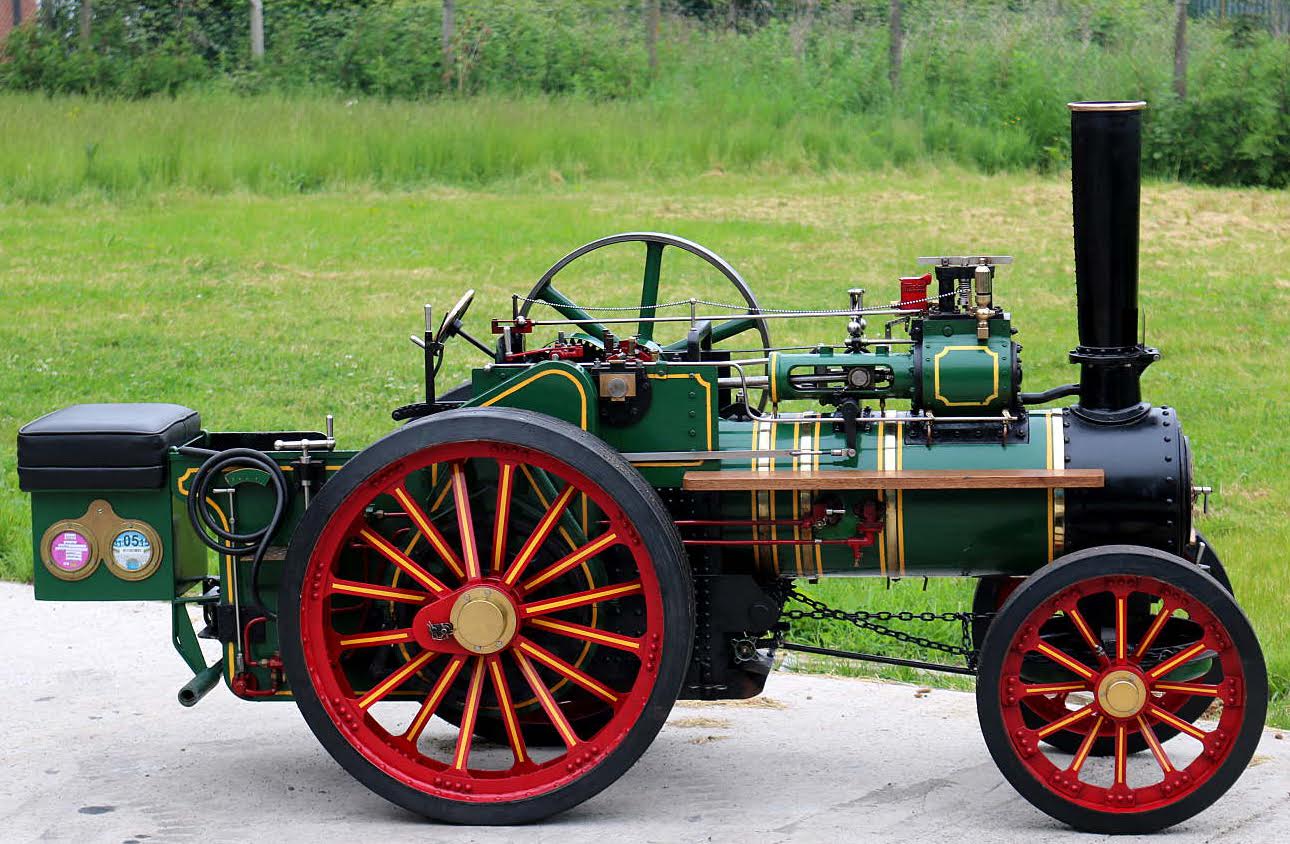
1086, 632
566, 670
1176, 660
506, 704
570, 561
539, 536
596, 636
502, 517
1086, 746
1121, 627
432, 701
401, 561
1157, 750
1177, 723
1201, 689
398, 678
380, 593
465, 526
1065, 660
1065, 721
1121, 753
428, 530
1148, 638
1055, 688
590, 596
372, 640
549, 705
469, 716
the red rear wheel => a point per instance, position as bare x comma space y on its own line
1129, 685
486, 566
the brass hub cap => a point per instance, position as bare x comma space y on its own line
1122, 694
483, 620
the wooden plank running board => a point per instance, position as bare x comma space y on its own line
744, 479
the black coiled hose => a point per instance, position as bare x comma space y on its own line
253, 543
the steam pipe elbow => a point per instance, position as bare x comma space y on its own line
1064, 391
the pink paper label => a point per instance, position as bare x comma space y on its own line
70, 551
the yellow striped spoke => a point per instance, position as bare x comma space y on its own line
505, 484
1065, 661
539, 536
1062, 723
398, 678
469, 715
1162, 758
372, 640
432, 701
428, 530
543, 694
566, 670
1176, 660
591, 634
380, 593
1056, 688
1148, 638
1086, 746
1121, 627
581, 599
466, 527
570, 561
1177, 723
1085, 631
402, 561
1202, 689
1121, 753
504, 703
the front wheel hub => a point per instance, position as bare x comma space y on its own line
483, 620
1122, 694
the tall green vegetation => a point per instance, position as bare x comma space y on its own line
341, 93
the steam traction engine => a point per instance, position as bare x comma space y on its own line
486, 615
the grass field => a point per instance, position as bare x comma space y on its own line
272, 311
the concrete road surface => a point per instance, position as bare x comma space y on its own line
96, 748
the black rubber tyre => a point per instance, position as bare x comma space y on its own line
1091, 564
604, 467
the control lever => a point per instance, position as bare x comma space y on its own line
308, 469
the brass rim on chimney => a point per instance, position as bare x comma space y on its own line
1127, 105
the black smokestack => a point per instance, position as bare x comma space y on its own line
1106, 147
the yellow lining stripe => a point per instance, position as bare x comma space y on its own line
432, 701
569, 671
405, 596
1063, 723
594, 596
587, 551
1177, 723
469, 715
377, 639
548, 703
1169, 665
707, 411
539, 535
815, 466
582, 392
508, 711
936, 375
396, 679
505, 479
1086, 746
1063, 660
580, 631
394, 555
1154, 743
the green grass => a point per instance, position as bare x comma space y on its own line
268, 312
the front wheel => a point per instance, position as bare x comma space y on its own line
486, 571
1043, 631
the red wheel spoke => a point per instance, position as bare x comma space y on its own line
469, 716
591, 634
1055, 688
1121, 627
465, 526
505, 483
402, 561
432, 701
539, 536
1177, 723
428, 530
1153, 631
570, 561
1086, 632
1062, 723
590, 596
1121, 754
549, 705
380, 593
398, 678
1065, 660
564, 669
1158, 751
1086, 746
507, 706
1202, 689
1176, 660
372, 640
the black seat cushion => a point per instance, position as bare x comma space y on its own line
103, 446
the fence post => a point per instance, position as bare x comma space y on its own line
1180, 48
896, 43
257, 30
87, 15
652, 14
446, 36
